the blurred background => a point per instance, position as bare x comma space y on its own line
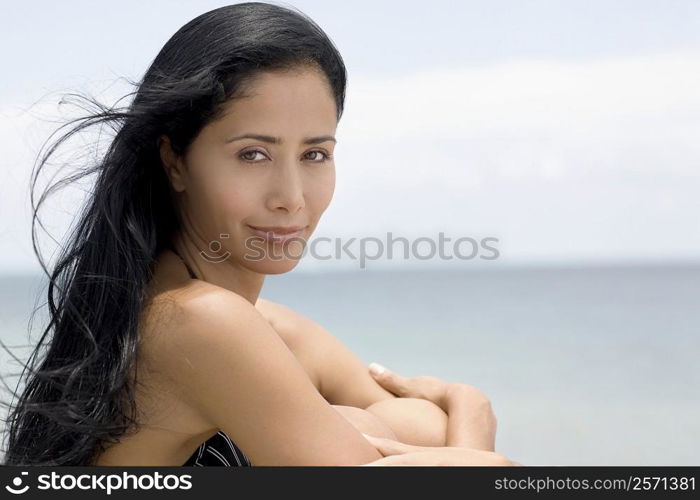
566, 131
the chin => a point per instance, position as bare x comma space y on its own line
273, 266
274, 260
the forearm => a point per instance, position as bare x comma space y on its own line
467, 424
413, 421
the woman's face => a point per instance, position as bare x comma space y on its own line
284, 177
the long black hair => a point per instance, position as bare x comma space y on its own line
79, 381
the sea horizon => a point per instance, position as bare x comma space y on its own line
584, 365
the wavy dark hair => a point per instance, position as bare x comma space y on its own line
76, 391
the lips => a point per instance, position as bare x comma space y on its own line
278, 229
278, 234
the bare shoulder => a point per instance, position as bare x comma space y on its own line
298, 331
287, 322
231, 366
193, 317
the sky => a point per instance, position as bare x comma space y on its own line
567, 130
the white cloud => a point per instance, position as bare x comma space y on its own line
618, 99
559, 159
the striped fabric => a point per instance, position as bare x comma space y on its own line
218, 450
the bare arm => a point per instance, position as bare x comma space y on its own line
415, 419
234, 370
470, 423
343, 378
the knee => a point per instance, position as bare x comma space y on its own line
414, 421
365, 421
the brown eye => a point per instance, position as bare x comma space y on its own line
246, 155
324, 156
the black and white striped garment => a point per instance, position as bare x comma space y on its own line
218, 450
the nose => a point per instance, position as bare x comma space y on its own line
287, 189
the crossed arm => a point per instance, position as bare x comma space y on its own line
344, 381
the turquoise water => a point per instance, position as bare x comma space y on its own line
584, 366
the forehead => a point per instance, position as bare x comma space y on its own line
296, 100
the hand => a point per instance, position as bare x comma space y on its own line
425, 387
431, 388
471, 421
397, 453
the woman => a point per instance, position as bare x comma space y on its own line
159, 349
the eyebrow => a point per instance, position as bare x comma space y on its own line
278, 140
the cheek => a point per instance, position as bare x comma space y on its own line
321, 193
234, 203
222, 200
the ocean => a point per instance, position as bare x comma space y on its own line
583, 365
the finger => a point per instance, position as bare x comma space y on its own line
390, 447
412, 459
391, 381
